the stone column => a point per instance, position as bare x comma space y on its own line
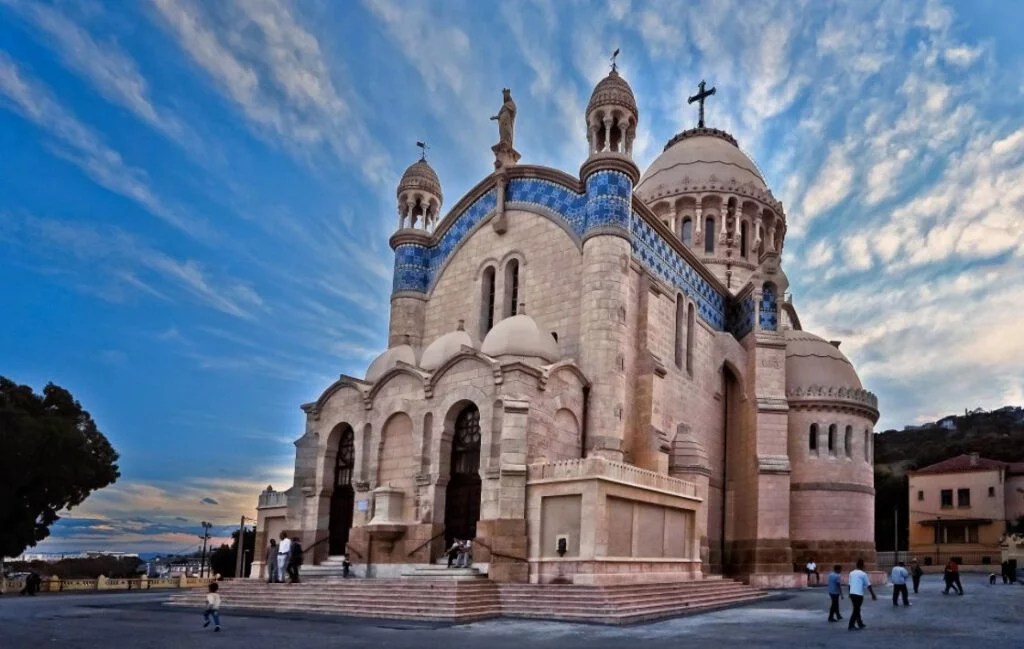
698, 223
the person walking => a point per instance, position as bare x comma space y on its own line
859, 582
955, 569
284, 550
212, 607
898, 577
915, 574
294, 560
273, 576
835, 592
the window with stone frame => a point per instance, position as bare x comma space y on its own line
691, 331
345, 461
848, 441
679, 332
466, 442
812, 440
511, 288
686, 232
991, 492
832, 439
946, 498
743, 239
963, 497
709, 234
487, 301
920, 495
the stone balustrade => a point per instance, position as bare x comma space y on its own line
272, 499
595, 467
56, 584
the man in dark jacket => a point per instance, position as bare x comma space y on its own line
294, 561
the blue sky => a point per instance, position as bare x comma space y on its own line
195, 197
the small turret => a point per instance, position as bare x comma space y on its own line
612, 115
419, 196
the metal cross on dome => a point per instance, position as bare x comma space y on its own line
700, 97
423, 150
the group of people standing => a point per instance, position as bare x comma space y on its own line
284, 559
859, 583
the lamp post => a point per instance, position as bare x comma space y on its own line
239, 548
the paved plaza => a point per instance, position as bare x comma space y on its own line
985, 616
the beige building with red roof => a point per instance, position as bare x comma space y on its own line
960, 507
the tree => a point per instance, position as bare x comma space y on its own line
222, 560
52, 457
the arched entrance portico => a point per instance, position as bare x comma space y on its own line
343, 496
462, 496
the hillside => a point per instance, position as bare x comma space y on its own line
997, 435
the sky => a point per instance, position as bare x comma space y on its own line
196, 197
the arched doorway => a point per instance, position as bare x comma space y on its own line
343, 496
462, 497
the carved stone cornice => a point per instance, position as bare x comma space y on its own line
844, 399
613, 161
773, 464
832, 486
409, 235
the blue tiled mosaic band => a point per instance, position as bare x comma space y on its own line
658, 257
606, 203
769, 316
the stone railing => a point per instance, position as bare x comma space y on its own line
857, 395
57, 585
272, 499
595, 467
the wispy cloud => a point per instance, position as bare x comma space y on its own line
259, 55
83, 147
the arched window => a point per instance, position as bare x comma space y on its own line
346, 460
743, 239
709, 234
466, 442
511, 287
812, 440
832, 439
679, 332
691, 325
687, 231
867, 445
848, 441
487, 302
760, 246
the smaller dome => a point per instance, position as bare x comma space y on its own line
420, 175
444, 347
388, 360
812, 360
612, 90
520, 336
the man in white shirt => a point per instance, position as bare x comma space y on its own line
899, 583
284, 553
859, 581
812, 569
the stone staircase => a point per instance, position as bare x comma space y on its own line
472, 599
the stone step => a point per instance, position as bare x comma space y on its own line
478, 599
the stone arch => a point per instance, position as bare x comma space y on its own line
462, 442
488, 299
833, 431
449, 364
567, 435
344, 383
512, 291
397, 459
392, 374
848, 441
812, 439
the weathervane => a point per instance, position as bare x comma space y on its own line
700, 97
423, 149
614, 54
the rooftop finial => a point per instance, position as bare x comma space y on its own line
615, 66
700, 97
423, 149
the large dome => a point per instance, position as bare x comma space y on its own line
812, 360
520, 336
700, 159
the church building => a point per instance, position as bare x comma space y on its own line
598, 377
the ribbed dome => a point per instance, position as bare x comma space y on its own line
444, 347
420, 175
520, 336
390, 359
811, 360
699, 159
612, 90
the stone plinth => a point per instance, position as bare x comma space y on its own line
387, 505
